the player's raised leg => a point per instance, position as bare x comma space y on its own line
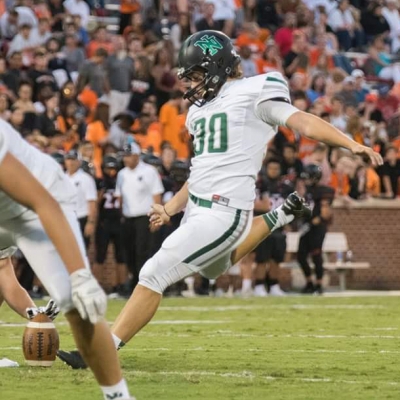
293, 207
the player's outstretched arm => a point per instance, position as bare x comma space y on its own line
316, 128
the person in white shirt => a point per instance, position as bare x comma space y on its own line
11, 20
24, 41
392, 16
85, 185
139, 187
37, 216
80, 8
342, 22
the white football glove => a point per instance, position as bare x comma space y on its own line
51, 310
87, 296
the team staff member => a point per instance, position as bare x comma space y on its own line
138, 186
86, 207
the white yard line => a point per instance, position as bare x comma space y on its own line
251, 376
242, 350
267, 306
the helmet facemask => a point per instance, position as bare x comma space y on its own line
209, 86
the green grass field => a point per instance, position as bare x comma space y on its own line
284, 349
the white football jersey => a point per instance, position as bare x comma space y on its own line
230, 140
42, 166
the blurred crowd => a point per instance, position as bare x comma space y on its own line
71, 81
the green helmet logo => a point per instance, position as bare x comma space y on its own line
209, 45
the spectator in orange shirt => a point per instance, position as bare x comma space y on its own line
171, 124
270, 60
319, 55
97, 133
147, 133
250, 37
345, 166
100, 40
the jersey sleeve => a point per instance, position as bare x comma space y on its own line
156, 186
90, 189
274, 87
3, 146
118, 185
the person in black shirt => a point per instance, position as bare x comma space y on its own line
207, 22
291, 165
389, 173
275, 188
312, 232
297, 57
109, 222
40, 75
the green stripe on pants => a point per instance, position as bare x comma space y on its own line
216, 242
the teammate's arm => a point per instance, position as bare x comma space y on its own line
11, 291
18, 183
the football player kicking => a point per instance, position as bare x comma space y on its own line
232, 119
17, 297
46, 230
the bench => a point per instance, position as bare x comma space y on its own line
335, 242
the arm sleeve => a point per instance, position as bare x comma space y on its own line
275, 112
90, 189
117, 192
157, 186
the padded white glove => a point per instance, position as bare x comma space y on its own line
51, 310
87, 295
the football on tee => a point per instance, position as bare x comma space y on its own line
40, 341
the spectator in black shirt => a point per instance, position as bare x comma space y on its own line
370, 112
373, 22
58, 13
390, 174
40, 75
291, 165
297, 58
207, 22
12, 76
46, 122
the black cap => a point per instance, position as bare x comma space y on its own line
72, 155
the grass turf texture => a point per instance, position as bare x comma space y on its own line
284, 349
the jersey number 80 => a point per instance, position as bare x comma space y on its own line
211, 133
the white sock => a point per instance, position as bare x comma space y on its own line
260, 286
117, 342
246, 285
118, 391
277, 218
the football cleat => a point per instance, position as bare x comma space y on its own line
296, 206
72, 358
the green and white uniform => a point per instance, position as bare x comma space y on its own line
230, 142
